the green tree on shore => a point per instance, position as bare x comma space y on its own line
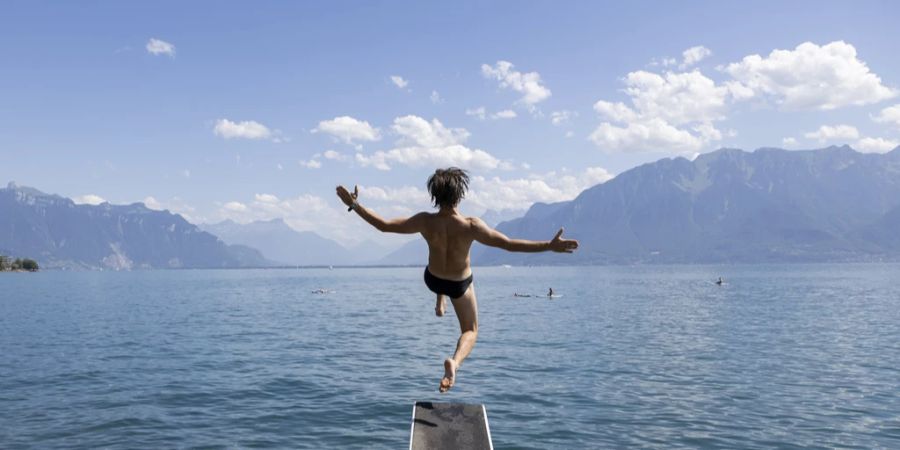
18, 264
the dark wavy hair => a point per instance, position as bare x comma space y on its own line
448, 186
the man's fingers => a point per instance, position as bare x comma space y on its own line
558, 234
355, 191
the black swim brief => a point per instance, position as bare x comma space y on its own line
450, 288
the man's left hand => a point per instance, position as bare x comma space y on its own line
346, 196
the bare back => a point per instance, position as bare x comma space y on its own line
449, 236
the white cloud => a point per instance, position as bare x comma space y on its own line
481, 114
348, 129
305, 212
436, 98
186, 173
478, 112
520, 193
399, 81
648, 135
664, 62
88, 199
827, 133
693, 55
789, 142
266, 198
402, 195
159, 47
561, 117
235, 207
334, 155
890, 115
424, 143
453, 155
811, 77
876, 145
528, 84
673, 112
154, 204
311, 164
174, 205
247, 129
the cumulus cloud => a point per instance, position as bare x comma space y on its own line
827, 133
562, 117
159, 47
311, 164
528, 84
348, 129
436, 98
672, 112
481, 114
305, 212
247, 129
693, 55
424, 143
235, 207
889, 115
334, 155
789, 142
876, 145
811, 77
399, 81
88, 199
174, 205
520, 193
403, 195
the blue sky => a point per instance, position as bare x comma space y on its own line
257, 110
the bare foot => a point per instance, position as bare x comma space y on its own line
449, 374
441, 306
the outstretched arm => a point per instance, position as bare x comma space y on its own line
405, 225
493, 238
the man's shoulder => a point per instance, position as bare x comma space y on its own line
475, 221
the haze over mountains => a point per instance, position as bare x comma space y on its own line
281, 243
771, 205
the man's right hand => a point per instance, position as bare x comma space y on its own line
560, 245
346, 196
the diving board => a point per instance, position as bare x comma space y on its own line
437, 426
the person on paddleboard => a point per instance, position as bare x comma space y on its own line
449, 235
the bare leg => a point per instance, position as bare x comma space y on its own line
441, 305
466, 308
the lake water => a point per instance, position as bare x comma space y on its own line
793, 356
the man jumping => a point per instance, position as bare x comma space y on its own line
449, 235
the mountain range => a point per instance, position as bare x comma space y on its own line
727, 206
281, 243
61, 234
770, 205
